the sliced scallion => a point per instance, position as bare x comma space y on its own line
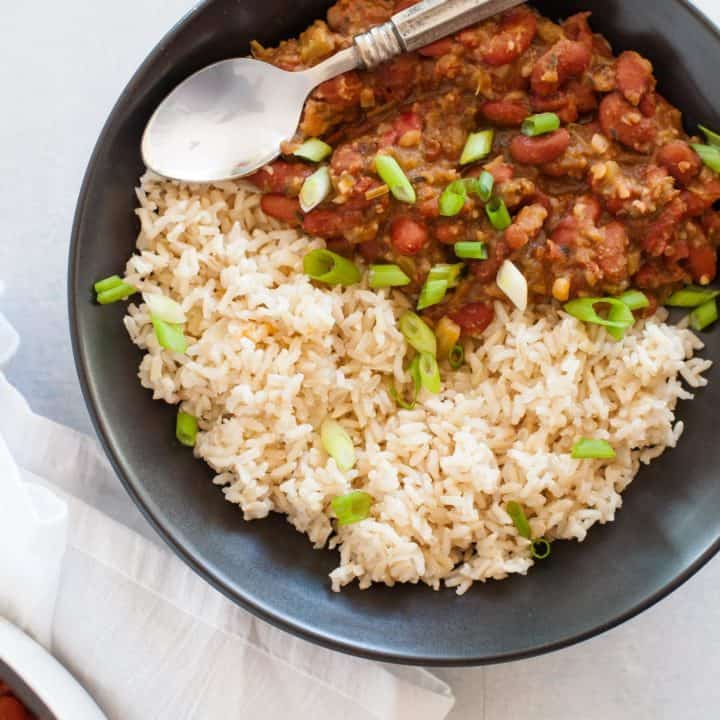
315, 189
517, 515
498, 214
541, 549
329, 267
385, 276
584, 309
540, 124
393, 176
481, 186
449, 273
635, 300
691, 297
314, 150
414, 371
513, 283
164, 308
116, 293
704, 316
456, 358
432, 293
352, 508
589, 449
478, 146
338, 444
186, 429
417, 332
712, 137
452, 200
169, 335
429, 373
107, 284
709, 154
471, 250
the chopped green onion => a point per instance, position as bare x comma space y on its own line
712, 138
108, 283
314, 150
432, 293
584, 309
513, 283
704, 316
449, 273
118, 292
414, 371
315, 189
429, 373
338, 444
709, 154
478, 146
417, 332
481, 186
691, 297
453, 197
164, 308
393, 176
517, 515
498, 214
541, 549
329, 267
169, 336
186, 429
540, 124
457, 356
635, 300
352, 508
471, 250
384, 276
588, 449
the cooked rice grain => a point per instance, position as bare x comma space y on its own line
271, 355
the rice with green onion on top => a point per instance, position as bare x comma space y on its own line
271, 356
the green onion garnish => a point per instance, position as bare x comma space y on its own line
514, 284
588, 449
453, 197
116, 293
449, 273
691, 297
393, 176
712, 138
517, 514
635, 300
385, 276
584, 309
704, 316
314, 150
338, 444
352, 508
432, 293
478, 146
107, 284
186, 429
498, 214
709, 154
169, 336
481, 186
417, 332
413, 369
429, 373
457, 356
471, 250
329, 267
540, 549
540, 124
315, 189
164, 308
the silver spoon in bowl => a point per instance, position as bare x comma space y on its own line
230, 118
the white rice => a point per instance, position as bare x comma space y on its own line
271, 356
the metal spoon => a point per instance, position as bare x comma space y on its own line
230, 118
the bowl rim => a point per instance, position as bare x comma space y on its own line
263, 610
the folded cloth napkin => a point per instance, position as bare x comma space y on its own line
145, 635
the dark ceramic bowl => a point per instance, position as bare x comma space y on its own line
669, 526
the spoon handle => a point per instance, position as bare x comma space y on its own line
422, 24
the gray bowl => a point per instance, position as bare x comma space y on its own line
669, 525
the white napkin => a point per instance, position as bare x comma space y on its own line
145, 635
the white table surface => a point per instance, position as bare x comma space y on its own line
60, 76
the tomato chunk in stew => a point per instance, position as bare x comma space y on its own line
613, 198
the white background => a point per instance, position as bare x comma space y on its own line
62, 65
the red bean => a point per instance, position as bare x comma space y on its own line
659, 233
330, 223
281, 177
347, 159
527, 225
407, 122
624, 123
12, 709
564, 60
448, 232
576, 27
516, 33
648, 105
680, 160
505, 113
437, 49
703, 263
408, 236
342, 91
473, 318
611, 254
634, 77
540, 150
370, 250
395, 80
282, 208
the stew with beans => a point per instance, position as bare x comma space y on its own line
613, 198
